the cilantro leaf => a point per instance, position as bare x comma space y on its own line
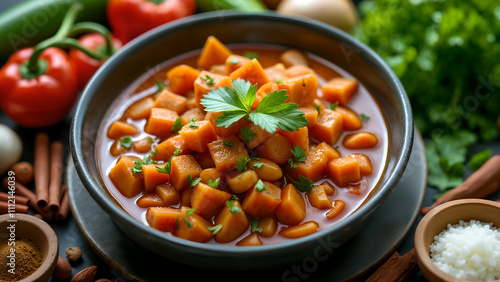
177, 125
364, 117
193, 182
254, 228
258, 164
213, 183
232, 208
192, 123
260, 186
299, 155
247, 134
160, 86
146, 160
303, 184
241, 164
334, 106
215, 229
126, 142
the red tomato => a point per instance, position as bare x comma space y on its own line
41, 99
131, 18
85, 65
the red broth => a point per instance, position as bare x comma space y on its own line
362, 103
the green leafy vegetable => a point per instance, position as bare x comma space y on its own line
146, 160
215, 229
126, 142
192, 123
232, 208
258, 164
242, 162
168, 165
160, 85
213, 183
193, 182
208, 80
303, 184
299, 155
177, 125
247, 134
270, 114
260, 186
254, 228
477, 160
334, 106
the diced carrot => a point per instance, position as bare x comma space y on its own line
250, 240
344, 170
128, 183
181, 79
213, 52
262, 203
328, 151
117, 149
313, 168
152, 177
140, 109
240, 182
277, 149
182, 166
354, 188
298, 71
144, 145
191, 100
360, 140
350, 119
233, 224
160, 122
269, 225
197, 136
218, 69
194, 113
186, 196
301, 90
166, 149
207, 200
329, 189
365, 165
297, 231
328, 126
338, 207
299, 137
234, 62
168, 195
266, 169
251, 72
148, 200
204, 159
211, 174
223, 131
192, 227
340, 90
120, 128
171, 101
292, 209
275, 73
162, 218
226, 157
311, 114
318, 198
204, 83
293, 57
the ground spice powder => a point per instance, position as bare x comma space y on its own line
28, 259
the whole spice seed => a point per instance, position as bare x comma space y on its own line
73, 254
28, 259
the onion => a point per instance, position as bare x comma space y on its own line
11, 148
339, 13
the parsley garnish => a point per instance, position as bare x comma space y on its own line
247, 134
188, 223
271, 113
317, 107
160, 85
303, 184
208, 80
192, 123
241, 164
177, 125
251, 55
232, 208
364, 117
255, 222
213, 183
234, 198
126, 142
258, 164
228, 143
146, 160
186, 220
260, 186
168, 166
234, 61
299, 155
193, 182
334, 106
215, 228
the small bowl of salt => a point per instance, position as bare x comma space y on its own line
460, 241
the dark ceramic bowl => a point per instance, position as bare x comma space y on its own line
190, 34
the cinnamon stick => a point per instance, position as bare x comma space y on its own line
56, 168
18, 199
23, 191
41, 168
63, 211
16, 208
397, 268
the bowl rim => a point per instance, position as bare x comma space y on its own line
368, 55
422, 251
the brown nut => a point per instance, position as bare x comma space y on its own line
73, 254
86, 275
62, 270
23, 172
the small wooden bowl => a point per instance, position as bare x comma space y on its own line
41, 234
437, 220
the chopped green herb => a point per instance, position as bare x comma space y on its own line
160, 85
228, 143
334, 106
234, 198
126, 142
251, 55
151, 140
232, 208
299, 155
164, 169
242, 162
177, 125
271, 113
193, 182
213, 183
146, 160
364, 117
215, 228
279, 81
190, 212
317, 107
292, 163
260, 186
188, 223
192, 123
234, 61
258, 164
208, 80
247, 134
255, 222
177, 152
303, 184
